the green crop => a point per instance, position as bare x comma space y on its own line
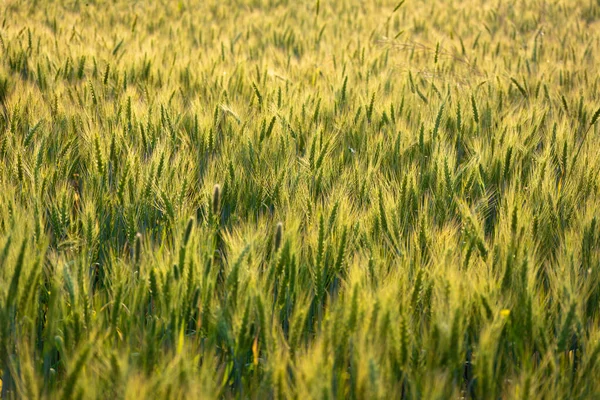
306, 200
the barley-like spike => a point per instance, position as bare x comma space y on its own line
138, 249
71, 380
521, 88
278, 235
188, 231
438, 121
258, 94
216, 199
475, 111
562, 343
595, 117
14, 283
564, 103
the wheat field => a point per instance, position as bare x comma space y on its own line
278, 199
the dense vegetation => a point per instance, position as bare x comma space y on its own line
287, 199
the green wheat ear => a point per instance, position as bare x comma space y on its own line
278, 235
3, 90
216, 199
259, 96
595, 117
593, 121
138, 250
475, 110
14, 284
188, 230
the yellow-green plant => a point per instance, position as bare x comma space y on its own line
291, 199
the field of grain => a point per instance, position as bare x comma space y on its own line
273, 199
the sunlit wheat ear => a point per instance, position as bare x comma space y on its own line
278, 235
138, 250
